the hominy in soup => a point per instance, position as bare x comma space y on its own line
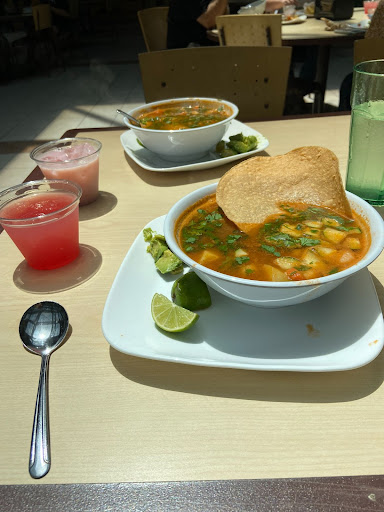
302, 242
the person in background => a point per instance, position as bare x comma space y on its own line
276, 5
60, 14
188, 21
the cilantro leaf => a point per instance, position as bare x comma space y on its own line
271, 249
241, 259
308, 242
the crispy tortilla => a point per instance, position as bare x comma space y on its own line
253, 190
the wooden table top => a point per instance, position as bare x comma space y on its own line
144, 434
312, 31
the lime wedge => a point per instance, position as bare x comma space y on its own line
170, 317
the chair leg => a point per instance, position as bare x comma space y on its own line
318, 102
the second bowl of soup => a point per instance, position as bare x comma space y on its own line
182, 129
292, 257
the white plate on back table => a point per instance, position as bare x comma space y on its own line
294, 21
339, 331
153, 162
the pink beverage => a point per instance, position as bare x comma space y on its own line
43, 222
370, 8
75, 159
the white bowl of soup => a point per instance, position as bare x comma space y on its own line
182, 129
258, 269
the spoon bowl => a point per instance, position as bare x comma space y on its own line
42, 329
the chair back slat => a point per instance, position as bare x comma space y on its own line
254, 78
249, 29
368, 49
154, 25
42, 17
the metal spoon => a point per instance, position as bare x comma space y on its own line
42, 329
131, 118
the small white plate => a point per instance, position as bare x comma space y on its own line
353, 28
339, 331
153, 162
294, 21
362, 25
348, 31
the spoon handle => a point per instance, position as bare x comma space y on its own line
40, 456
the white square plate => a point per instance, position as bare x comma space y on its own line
152, 162
339, 331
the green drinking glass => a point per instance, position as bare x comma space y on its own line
365, 175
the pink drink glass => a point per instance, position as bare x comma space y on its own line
75, 159
369, 8
42, 219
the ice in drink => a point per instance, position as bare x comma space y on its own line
43, 224
76, 160
365, 176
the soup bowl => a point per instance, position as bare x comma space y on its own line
268, 294
187, 144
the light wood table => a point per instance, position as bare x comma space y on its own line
312, 31
136, 434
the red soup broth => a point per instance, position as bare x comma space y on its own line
303, 242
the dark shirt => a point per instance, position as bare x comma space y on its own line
60, 4
183, 28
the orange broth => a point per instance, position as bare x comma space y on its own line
303, 242
183, 115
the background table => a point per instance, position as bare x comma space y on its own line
129, 433
312, 33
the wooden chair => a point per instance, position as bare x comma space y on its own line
249, 29
154, 25
254, 78
42, 17
46, 49
368, 49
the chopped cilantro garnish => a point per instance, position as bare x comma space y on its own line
213, 216
271, 249
283, 240
249, 270
308, 242
287, 208
231, 239
241, 259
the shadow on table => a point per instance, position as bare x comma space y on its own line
295, 387
379, 289
105, 203
85, 266
380, 211
156, 178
